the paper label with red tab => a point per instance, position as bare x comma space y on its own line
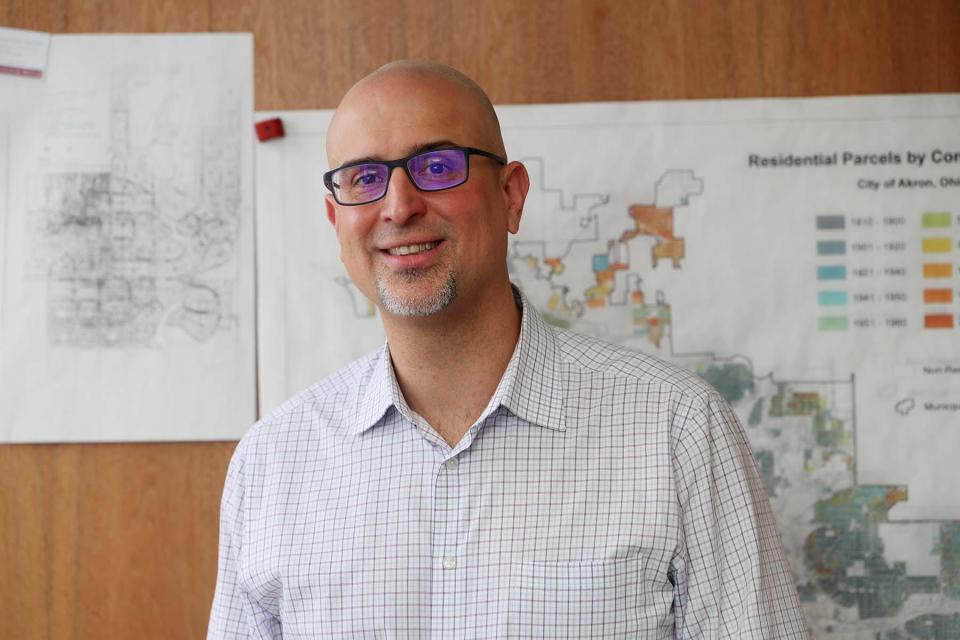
23, 53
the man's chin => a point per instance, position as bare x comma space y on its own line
409, 300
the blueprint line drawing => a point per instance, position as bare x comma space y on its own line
124, 252
128, 242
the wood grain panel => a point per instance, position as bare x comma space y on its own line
136, 15
301, 52
823, 47
49, 15
119, 541
108, 541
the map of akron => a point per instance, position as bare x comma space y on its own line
588, 270
820, 299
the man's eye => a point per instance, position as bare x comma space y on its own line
365, 179
436, 167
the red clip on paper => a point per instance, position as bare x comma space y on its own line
269, 129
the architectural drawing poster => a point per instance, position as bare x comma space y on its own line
126, 227
801, 255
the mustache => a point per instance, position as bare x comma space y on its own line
408, 236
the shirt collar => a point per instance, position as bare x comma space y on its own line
379, 393
534, 382
531, 387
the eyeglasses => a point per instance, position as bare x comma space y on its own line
434, 170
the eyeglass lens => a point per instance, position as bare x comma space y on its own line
430, 171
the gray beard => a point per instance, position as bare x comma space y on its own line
422, 307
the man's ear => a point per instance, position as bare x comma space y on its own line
331, 209
515, 183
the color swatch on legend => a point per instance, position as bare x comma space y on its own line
831, 223
938, 321
938, 296
937, 245
832, 298
936, 220
832, 272
937, 270
831, 247
832, 323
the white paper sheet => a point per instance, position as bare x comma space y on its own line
127, 286
797, 286
311, 319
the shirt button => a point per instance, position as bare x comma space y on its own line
452, 464
449, 562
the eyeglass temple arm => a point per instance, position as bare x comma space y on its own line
481, 152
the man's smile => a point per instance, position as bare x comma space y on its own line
409, 249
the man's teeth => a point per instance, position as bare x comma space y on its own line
412, 248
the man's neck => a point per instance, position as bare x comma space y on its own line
449, 365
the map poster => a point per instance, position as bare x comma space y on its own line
126, 236
801, 255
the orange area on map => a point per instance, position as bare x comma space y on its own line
649, 220
801, 403
555, 264
609, 263
597, 296
650, 320
672, 249
895, 495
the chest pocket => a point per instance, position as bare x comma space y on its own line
603, 599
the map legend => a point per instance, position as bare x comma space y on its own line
941, 316
870, 274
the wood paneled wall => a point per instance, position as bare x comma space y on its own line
119, 541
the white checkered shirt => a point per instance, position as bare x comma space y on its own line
601, 494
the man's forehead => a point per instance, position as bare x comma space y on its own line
395, 112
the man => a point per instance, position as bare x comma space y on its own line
484, 475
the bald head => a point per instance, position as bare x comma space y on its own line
426, 69
405, 94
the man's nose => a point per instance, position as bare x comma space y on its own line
403, 200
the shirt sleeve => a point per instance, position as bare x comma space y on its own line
233, 614
730, 574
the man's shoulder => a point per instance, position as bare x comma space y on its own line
330, 399
593, 355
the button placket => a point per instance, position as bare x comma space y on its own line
447, 533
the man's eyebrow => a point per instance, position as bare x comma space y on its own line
412, 151
428, 146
